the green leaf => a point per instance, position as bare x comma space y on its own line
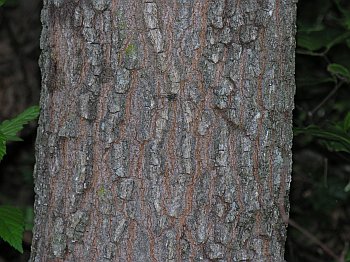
334, 137
347, 257
10, 128
311, 15
8, 2
347, 122
12, 226
338, 39
334, 146
313, 80
347, 187
326, 38
309, 42
345, 12
2, 145
339, 70
29, 218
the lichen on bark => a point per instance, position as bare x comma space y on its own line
165, 132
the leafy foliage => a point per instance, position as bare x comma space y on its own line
321, 182
339, 70
12, 219
336, 137
8, 2
2, 145
10, 128
12, 226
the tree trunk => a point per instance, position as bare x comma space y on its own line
166, 130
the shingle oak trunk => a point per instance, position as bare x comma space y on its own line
166, 130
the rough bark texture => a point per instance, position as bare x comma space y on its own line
166, 130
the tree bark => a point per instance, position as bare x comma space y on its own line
166, 130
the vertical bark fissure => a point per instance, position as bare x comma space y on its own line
165, 130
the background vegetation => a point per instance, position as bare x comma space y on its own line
320, 212
321, 180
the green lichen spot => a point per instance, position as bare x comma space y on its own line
130, 50
122, 25
101, 191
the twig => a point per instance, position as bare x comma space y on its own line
306, 52
334, 90
306, 233
325, 172
345, 250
